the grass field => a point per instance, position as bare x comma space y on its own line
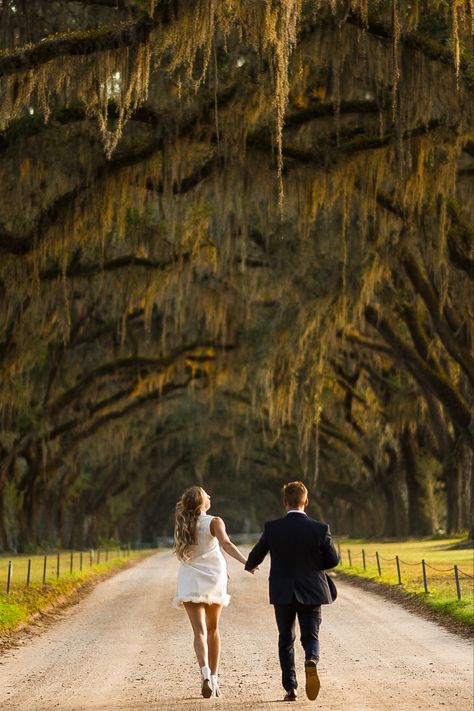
67, 560
440, 556
23, 602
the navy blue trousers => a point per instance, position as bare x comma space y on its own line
309, 619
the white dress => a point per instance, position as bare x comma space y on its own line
203, 578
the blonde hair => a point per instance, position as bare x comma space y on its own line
188, 510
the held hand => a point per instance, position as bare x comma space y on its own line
254, 570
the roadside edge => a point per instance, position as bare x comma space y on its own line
410, 601
45, 617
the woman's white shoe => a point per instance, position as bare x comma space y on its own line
215, 686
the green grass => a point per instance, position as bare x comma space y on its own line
20, 565
440, 555
22, 603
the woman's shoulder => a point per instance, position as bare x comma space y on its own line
214, 521
207, 519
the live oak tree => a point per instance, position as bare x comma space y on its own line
236, 248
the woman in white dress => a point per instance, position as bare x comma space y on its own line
202, 578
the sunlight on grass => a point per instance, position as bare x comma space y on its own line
67, 563
22, 602
437, 588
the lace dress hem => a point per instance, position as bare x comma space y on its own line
223, 600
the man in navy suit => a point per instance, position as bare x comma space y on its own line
301, 549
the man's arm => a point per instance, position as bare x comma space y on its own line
258, 553
329, 553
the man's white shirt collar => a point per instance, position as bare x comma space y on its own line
296, 511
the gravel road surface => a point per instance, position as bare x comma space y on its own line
125, 647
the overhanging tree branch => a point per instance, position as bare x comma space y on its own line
79, 436
422, 286
73, 44
418, 41
424, 374
118, 367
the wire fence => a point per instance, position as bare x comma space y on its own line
22, 572
452, 577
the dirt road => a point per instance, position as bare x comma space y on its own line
125, 647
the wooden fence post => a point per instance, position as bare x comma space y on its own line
425, 582
458, 586
349, 556
378, 564
9, 575
58, 562
45, 564
71, 564
28, 573
80, 560
363, 559
398, 570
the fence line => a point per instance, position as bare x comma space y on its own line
440, 570
398, 561
406, 562
94, 556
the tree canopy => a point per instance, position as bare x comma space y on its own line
235, 248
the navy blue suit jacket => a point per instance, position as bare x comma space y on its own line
301, 549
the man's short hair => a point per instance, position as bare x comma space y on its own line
295, 493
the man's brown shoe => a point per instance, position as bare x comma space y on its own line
291, 695
312, 679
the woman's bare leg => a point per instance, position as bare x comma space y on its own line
197, 617
213, 613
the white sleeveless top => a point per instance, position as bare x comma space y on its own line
203, 578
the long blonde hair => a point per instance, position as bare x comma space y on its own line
188, 510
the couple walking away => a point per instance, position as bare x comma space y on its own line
300, 548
